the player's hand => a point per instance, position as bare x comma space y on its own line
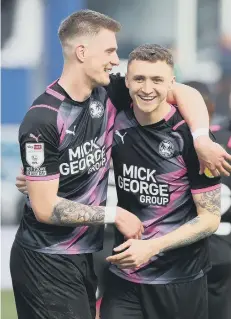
21, 183
212, 156
137, 253
128, 224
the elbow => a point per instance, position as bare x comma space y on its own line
215, 224
42, 214
41, 218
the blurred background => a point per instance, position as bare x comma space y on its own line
197, 31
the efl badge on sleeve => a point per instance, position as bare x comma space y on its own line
35, 154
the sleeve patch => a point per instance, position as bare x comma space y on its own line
35, 154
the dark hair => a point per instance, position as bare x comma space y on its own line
85, 22
205, 92
151, 53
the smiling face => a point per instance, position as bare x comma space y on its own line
88, 40
149, 83
101, 56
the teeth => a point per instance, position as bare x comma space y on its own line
147, 98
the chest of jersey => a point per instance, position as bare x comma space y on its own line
148, 164
85, 145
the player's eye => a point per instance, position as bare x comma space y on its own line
110, 51
158, 80
139, 79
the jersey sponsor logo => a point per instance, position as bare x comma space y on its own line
35, 154
142, 181
166, 149
71, 132
36, 138
96, 109
89, 157
120, 135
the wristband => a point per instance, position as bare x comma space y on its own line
110, 215
200, 132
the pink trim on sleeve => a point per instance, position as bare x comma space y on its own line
171, 113
207, 189
52, 83
178, 124
215, 128
55, 94
44, 106
42, 178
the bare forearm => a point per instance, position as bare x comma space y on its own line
198, 228
190, 104
69, 213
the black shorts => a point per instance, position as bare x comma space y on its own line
124, 299
52, 286
219, 278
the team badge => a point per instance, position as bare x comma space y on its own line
208, 173
35, 154
96, 109
166, 149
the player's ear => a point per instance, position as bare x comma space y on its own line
172, 82
80, 52
126, 80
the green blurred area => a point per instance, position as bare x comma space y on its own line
8, 310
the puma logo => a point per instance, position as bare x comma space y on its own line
121, 136
71, 132
35, 137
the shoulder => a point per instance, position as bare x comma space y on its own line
42, 113
118, 92
179, 126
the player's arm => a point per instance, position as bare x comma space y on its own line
206, 193
190, 103
206, 222
39, 143
193, 109
208, 205
51, 209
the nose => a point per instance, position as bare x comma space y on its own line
115, 59
147, 88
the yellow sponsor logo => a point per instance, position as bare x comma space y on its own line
208, 173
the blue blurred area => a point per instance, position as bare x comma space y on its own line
56, 11
19, 82
15, 94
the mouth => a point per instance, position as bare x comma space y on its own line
147, 98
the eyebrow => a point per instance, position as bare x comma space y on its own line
112, 49
157, 77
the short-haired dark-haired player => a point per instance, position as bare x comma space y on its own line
65, 140
157, 178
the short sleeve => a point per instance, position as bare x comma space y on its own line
118, 92
198, 183
39, 143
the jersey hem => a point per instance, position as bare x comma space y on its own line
61, 252
164, 281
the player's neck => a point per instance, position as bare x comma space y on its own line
153, 117
75, 83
